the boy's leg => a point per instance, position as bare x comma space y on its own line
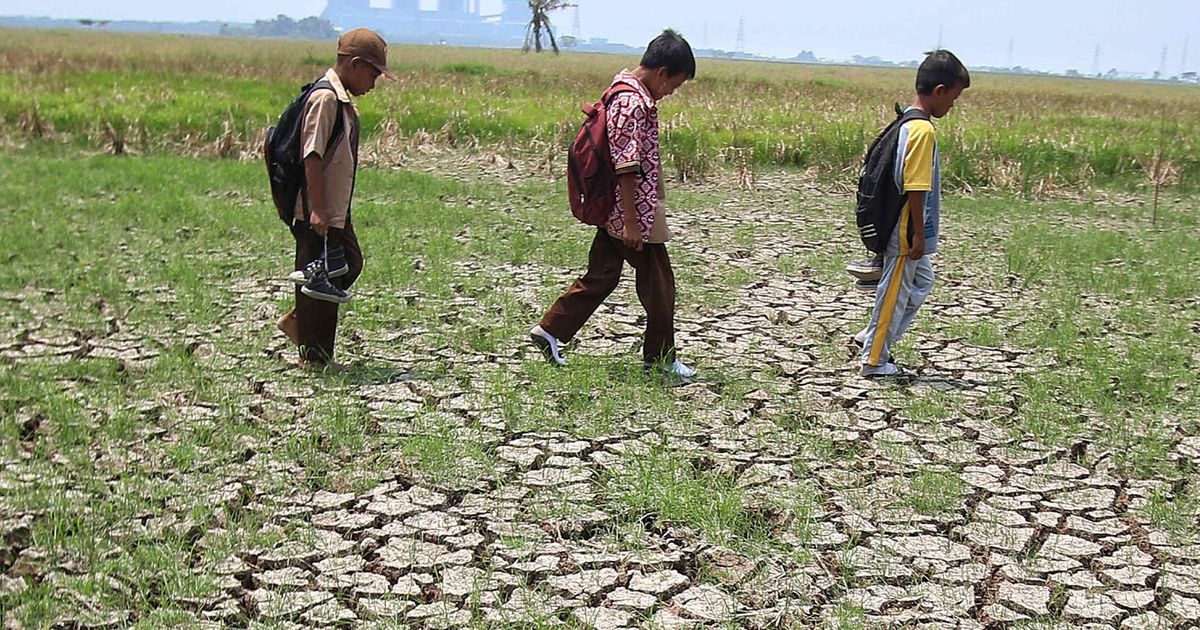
573, 308
656, 292
324, 321
316, 320
319, 284
922, 285
290, 326
891, 302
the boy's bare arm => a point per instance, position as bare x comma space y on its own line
315, 179
632, 236
916, 215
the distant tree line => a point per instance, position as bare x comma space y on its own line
284, 26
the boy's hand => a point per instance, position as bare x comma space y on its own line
917, 250
318, 223
632, 236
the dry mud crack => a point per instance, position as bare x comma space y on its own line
1050, 535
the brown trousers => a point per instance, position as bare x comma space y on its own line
316, 319
655, 290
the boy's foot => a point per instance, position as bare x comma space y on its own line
860, 339
866, 269
866, 286
547, 343
675, 368
319, 288
881, 371
290, 326
322, 366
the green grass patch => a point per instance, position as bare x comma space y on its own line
203, 95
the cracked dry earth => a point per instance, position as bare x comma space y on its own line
1053, 535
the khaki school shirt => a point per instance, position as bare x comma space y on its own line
337, 168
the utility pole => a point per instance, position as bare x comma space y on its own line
740, 47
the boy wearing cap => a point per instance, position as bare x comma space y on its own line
328, 257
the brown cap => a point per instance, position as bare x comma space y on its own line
368, 45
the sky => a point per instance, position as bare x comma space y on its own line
1056, 35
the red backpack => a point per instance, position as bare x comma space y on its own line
591, 175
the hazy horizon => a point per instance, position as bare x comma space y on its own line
1129, 36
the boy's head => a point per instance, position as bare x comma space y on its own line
362, 57
670, 63
941, 78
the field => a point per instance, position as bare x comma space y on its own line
164, 464
208, 97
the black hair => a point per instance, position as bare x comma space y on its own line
670, 50
941, 67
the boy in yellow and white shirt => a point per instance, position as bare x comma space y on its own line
907, 277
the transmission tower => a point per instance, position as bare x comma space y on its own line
1096, 61
575, 29
1183, 57
1162, 63
1010, 52
740, 47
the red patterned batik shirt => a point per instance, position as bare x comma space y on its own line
633, 140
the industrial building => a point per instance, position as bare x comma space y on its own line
459, 22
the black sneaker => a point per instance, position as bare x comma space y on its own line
319, 288
335, 259
866, 286
869, 270
302, 276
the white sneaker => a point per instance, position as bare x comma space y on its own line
547, 343
677, 368
880, 371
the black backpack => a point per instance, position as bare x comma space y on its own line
281, 151
878, 203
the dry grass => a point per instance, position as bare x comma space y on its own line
204, 96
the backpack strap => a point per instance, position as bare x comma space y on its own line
902, 117
911, 115
335, 135
339, 123
612, 92
607, 98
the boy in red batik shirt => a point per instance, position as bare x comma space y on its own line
636, 231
